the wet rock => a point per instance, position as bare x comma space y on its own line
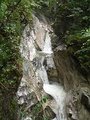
69, 76
72, 105
85, 98
49, 113
54, 72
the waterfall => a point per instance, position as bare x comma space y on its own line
45, 72
34, 69
43, 75
47, 46
55, 90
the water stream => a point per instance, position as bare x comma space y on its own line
55, 90
35, 57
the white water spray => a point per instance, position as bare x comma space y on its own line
47, 46
58, 93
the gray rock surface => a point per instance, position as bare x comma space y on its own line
51, 87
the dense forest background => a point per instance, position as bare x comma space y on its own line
71, 22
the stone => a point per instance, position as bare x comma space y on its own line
48, 68
85, 98
49, 113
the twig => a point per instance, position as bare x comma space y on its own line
3, 86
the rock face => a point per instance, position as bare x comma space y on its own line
51, 87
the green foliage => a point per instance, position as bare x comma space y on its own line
83, 50
37, 111
79, 45
9, 107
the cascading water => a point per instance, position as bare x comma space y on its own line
34, 69
47, 46
55, 90
58, 94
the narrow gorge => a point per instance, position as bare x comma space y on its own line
52, 87
44, 59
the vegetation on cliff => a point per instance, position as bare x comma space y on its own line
71, 22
